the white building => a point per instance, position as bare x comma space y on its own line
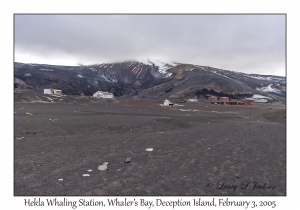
52, 91
101, 94
47, 91
192, 100
168, 103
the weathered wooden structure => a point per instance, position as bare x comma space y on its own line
212, 99
226, 100
249, 101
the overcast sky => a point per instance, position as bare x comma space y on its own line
245, 43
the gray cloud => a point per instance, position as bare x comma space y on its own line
246, 43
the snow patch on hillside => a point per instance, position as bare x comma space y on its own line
226, 77
163, 67
266, 78
269, 88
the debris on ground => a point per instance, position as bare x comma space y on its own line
86, 175
20, 138
53, 120
102, 167
189, 110
128, 160
61, 179
90, 170
241, 116
149, 149
28, 113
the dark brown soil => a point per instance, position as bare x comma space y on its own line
203, 149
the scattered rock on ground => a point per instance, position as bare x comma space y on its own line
128, 160
102, 167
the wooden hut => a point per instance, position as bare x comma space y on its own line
249, 101
224, 100
212, 99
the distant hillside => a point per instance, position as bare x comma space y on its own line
152, 79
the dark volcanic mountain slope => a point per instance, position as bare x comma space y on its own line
150, 79
119, 78
126, 72
199, 81
180, 85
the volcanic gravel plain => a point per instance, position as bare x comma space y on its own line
198, 148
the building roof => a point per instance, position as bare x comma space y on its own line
107, 94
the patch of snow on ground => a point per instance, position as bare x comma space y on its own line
260, 100
260, 96
78, 75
